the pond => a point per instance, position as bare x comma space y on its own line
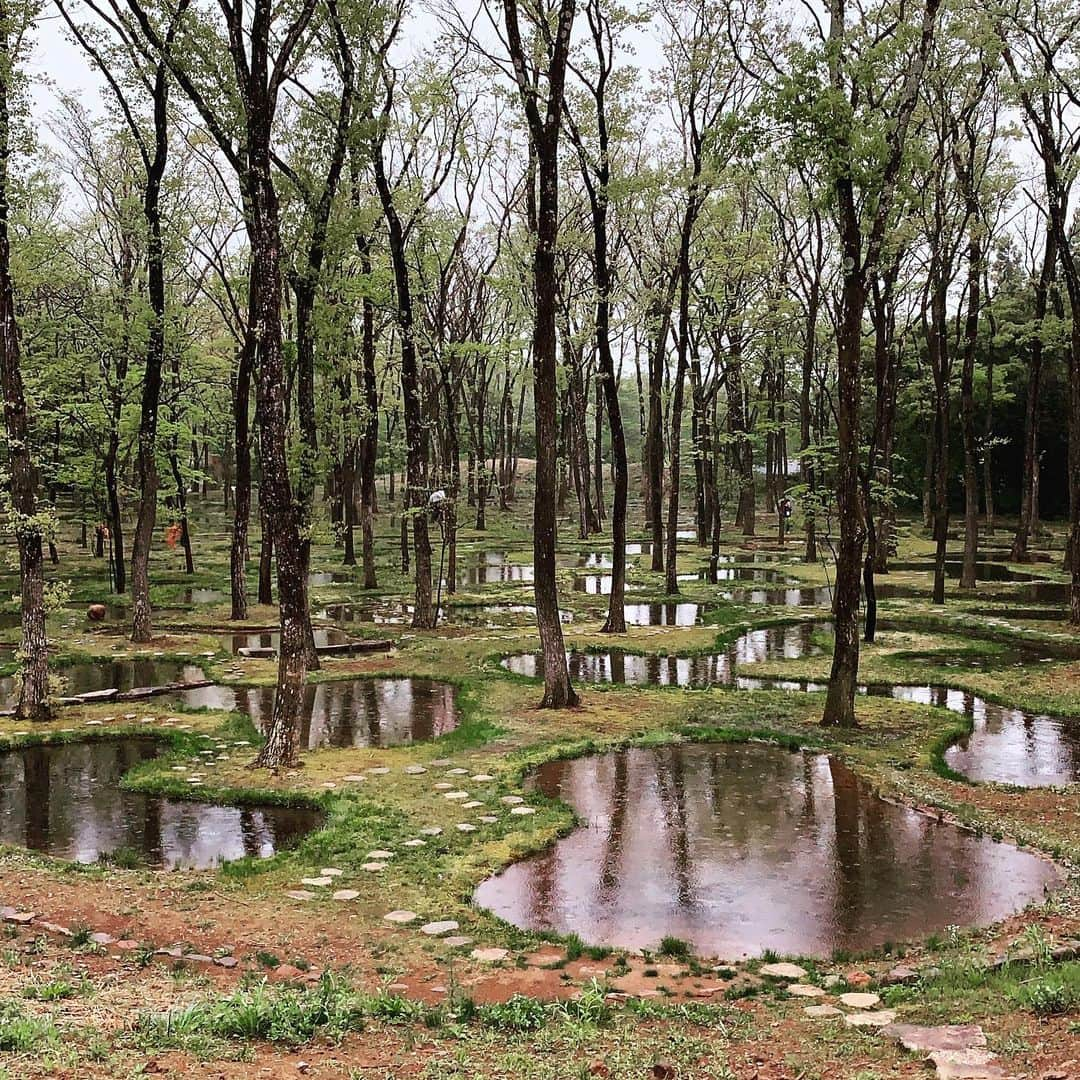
89, 676
347, 712
705, 669
1007, 745
739, 848
491, 568
66, 801
325, 637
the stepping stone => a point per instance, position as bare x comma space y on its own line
782, 971
329, 785
440, 763
821, 1011
444, 786
380, 770
300, 894
102, 939
870, 1019
346, 894
126, 945
226, 961
20, 918
439, 929
331, 871
380, 855
471, 805
93, 723
522, 811
457, 772
401, 917
456, 795
482, 778
488, 819
860, 1001
901, 976
457, 941
966, 1065
466, 827
319, 881
415, 843
373, 867
490, 956
805, 990
511, 800
415, 770
925, 1040
431, 830
354, 778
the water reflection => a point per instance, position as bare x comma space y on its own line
772, 643
124, 675
66, 801
741, 848
348, 712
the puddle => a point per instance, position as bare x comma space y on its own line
88, 676
347, 712
66, 801
325, 637
203, 596
319, 578
738, 848
1009, 746
708, 669
491, 568
664, 614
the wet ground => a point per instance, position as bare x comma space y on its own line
66, 801
738, 848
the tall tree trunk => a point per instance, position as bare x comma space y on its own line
967, 408
29, 523
1028, 487
238, 547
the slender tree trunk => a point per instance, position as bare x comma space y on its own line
142, 630
967, 408
238, 548
1028, 487
29, 522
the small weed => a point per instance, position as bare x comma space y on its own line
675, 948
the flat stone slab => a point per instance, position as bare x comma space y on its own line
466, 826
805, 990
925, 1040
415, 843
966, 1065
440, 929
431, 830
415, 770
870, 1019
490, 956
20, 918
456, 772
473, 804
901, 976
511, 800
380, 855
444, 786
317, 881
522, 811
456, 795
860, 1001
102, 939
440, 762
354, 778
820, 1012
783, 971
300, 894
456, 941
401, 917
346, 894
373, 867
482, 777
331, 871
378, 770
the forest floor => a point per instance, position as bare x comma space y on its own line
114, 968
